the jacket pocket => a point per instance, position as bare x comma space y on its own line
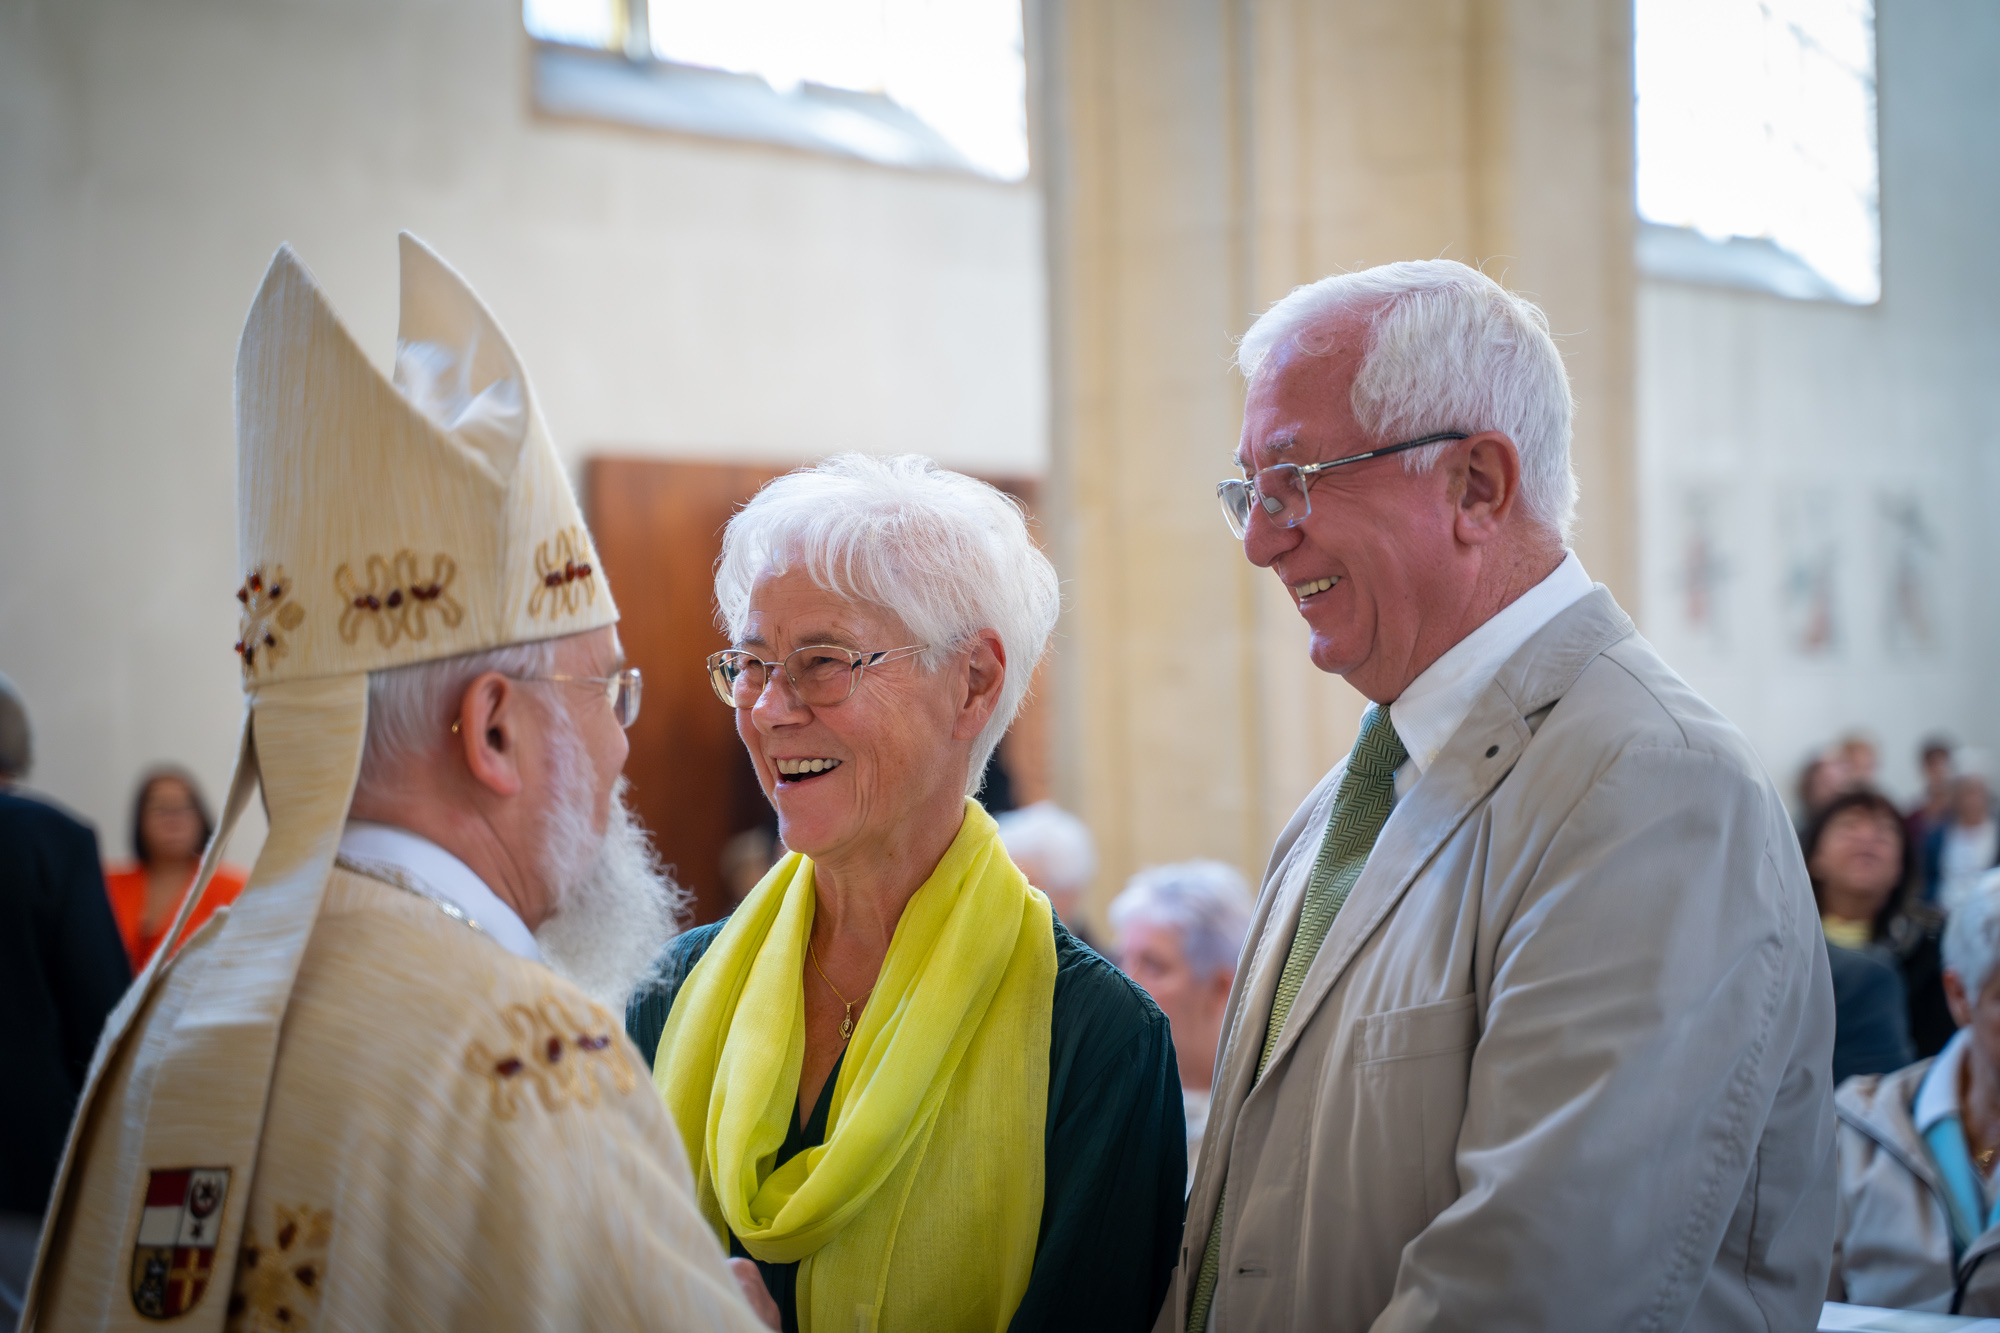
1410, 1071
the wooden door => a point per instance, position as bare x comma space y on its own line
658, 527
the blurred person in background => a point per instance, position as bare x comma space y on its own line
1860, 759
1919, 1203
61, 972
388, 1090
1966, 844
1179, 929
746, 859
1935, 762
1055, 851
908, 1093
1822, 780
170, 828
1882, 940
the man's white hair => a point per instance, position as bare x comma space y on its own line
411, 708
1206, 901
1054, 841
950, 556
1972, 935
1447, 349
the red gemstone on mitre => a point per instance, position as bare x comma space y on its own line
555, 1049
396, 598
256, 582
507, 1068
583, 571
243, 595
553, 579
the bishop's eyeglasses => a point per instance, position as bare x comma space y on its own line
621, 691
1283, 489
821, 674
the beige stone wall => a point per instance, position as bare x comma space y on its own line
670, 295
1200, 158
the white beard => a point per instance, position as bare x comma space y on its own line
616, 907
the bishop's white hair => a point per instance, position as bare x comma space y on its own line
950, 556
411, 708
1448, 349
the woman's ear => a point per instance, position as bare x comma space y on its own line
985, 677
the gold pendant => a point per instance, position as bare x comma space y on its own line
847, 1023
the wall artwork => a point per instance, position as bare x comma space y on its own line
1808, 591
1908, 555
1703, 567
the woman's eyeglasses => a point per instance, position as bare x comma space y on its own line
820, 674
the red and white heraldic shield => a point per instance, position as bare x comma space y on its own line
175, 1254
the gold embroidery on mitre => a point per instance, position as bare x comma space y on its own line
548, 1048
396, 600
564, 577
278, 1285
266, 610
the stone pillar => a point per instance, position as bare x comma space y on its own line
1200, 158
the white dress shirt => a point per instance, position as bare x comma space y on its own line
436, 873
1436, 703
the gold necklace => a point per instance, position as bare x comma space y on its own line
846, 1019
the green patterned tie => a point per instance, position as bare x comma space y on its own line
1367, 792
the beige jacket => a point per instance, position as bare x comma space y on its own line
455, 1139
1893, 1247
1563, 1060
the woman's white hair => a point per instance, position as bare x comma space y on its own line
950, 556
411, 708
1972, 935
1448, 349
1206, 901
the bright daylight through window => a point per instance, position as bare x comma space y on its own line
1756, 120
956, 65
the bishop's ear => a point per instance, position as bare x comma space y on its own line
1489, 486
487, 732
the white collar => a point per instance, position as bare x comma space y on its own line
440, 875
1937, 1095
1435, 705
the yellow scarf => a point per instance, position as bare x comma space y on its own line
921, 1209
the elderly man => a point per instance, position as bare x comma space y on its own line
1533, 1025
362, 1098
1179, 930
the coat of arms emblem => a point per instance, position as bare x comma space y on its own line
174, 1257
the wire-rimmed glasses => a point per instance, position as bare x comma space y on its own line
621, 691
1283, 488
821, 674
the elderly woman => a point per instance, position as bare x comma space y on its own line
1919, 1204
908, 1093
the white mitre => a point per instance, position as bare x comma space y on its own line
382, 522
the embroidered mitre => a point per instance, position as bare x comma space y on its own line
392, 521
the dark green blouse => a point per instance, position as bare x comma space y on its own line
1114, 1150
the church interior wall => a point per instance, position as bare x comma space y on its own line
670, 296
1817, 477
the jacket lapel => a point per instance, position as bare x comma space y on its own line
1457, 782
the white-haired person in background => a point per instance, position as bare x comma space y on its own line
1919, 1194
1179, 929
1054, 849
908, 1092
1535, 1027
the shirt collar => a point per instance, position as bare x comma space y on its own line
1436, 703
441, 875
1937, 1095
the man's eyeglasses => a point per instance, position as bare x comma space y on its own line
1282, 489
621, 691
821, 674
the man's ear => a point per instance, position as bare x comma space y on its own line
985, 675
488, 732
1489, 486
